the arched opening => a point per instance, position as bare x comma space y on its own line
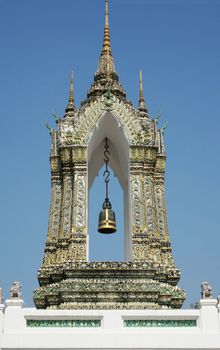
108, 126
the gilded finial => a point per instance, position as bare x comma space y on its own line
106, 13
71, 105
106, 43
141, 85
71, 98
106, 72
142, 106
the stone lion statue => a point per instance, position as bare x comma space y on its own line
15, 290
206, 292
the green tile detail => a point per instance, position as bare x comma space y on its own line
160, 323
64, 323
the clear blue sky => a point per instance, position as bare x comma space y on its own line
176, 42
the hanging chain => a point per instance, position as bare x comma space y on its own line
106, 172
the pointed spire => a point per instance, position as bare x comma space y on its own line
106, 77
106, 13
106, 42
142, 106
71, 98
71, 104
106, 62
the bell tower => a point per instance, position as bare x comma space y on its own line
148, 277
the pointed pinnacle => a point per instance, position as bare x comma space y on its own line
71, 105
142, 106
106, 13
106, 72
71, 98
141, 85
106, 42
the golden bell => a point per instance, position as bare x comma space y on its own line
107, 222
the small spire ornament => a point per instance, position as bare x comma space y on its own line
106, 76
142, 106
107, 221
106, 61
71, 104
106, 43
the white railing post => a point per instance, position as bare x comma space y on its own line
209, 319
14, 318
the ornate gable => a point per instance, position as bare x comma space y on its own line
77, 130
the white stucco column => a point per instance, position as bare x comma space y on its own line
209, 318
14, 318
2, 307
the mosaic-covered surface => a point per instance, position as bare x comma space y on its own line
67, 279
64, 323
160, 323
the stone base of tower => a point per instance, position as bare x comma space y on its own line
108, 285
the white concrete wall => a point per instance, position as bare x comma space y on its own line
112, 334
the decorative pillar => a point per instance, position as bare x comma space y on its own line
150, 205
139, 235
79, 249
14, 319
66, 206
55, 204
209, 316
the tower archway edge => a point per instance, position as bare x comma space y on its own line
109, 126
